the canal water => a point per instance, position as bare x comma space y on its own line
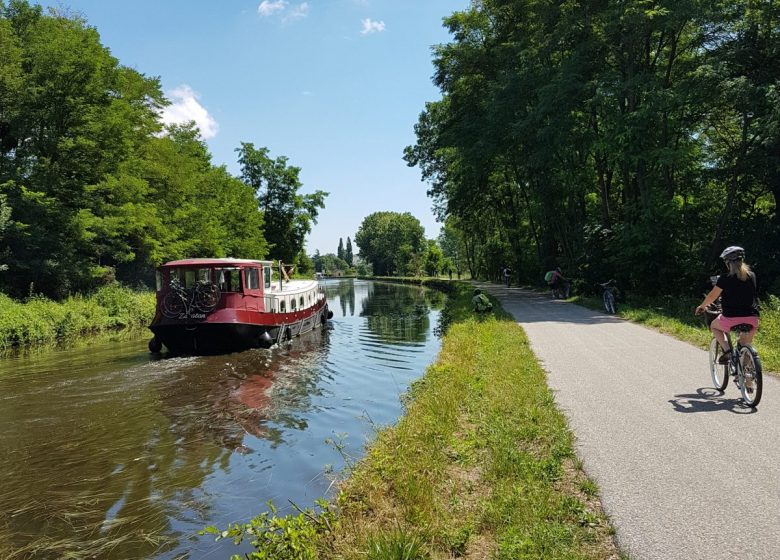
107, 452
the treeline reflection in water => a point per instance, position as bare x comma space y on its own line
107, 453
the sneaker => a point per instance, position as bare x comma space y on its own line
725, 357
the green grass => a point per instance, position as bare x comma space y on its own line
481, 464
674, 316
40, 321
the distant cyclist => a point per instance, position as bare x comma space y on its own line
507, 275
555, 279
737, 290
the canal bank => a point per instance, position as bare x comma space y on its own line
481, 465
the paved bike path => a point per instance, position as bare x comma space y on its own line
684, 471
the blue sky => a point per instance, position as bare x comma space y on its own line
334, 85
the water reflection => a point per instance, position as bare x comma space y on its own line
107, 453
399, 316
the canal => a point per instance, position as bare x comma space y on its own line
108, 452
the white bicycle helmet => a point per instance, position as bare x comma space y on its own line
733, 253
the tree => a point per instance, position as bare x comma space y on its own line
70, 117
348, 256
340, 252
331, 264
624, 139
390, 241
434, 259
288, 215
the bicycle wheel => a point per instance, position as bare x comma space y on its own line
207, 297
609, 302
751, 379
718, 372
173, 305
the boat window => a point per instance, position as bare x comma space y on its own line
302, 302
292, 304
252, 279
188, 277
158, 280
228, 279
267, 276
282, 306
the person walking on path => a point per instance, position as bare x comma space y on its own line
507, 275
737, 291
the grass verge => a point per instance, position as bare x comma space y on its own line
480, 466
674, 316
40, 321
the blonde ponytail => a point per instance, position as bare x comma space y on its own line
739, 269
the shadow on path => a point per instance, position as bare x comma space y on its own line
707, 399
536, 307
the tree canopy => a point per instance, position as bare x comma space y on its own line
391, 242
616, 139
94, 187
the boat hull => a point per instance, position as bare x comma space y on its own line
212, 337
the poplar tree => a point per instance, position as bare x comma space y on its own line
348, 253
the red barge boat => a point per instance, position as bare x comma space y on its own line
211, 306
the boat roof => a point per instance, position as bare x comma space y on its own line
216, 262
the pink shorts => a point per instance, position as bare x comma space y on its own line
726, 323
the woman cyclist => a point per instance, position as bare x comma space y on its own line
737, 291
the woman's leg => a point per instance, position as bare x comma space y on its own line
720, 335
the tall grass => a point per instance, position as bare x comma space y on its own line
39, 320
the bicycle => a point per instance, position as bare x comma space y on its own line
608, 296
744, 364
560, 290
182, 303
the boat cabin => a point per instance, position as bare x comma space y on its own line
234, 283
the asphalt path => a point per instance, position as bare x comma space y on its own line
683, 470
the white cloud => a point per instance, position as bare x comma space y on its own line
299, 11
270, 7
371, 26
185, 107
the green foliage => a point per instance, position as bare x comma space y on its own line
615, 140
329, 264
348, 256
392, 242
398, 545
292, 537
288, 215
92, 186
42, 321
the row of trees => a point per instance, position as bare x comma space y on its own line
626, 138
92, 186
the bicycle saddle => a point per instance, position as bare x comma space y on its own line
742, 327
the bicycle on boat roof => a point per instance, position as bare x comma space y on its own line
744, 363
